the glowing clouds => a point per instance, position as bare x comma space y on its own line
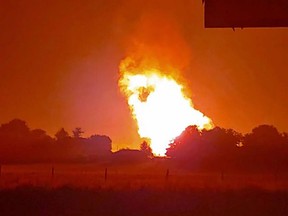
159, 106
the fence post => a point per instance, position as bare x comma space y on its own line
105, 175
52, 172
276, 179
167, 175
222, 176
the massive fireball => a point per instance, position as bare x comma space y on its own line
158, 104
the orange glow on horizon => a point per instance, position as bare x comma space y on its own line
159, 106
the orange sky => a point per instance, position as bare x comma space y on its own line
59, 64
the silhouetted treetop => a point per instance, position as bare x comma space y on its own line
77, 132
38, 133
264, 136
146, 149
222, 138
62, 134
207, 148
184, 145
16, 128
20, 144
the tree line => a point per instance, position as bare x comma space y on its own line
20, 144
263, 149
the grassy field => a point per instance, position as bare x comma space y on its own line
155, 175
142, 201
142, 189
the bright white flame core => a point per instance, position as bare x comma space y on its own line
160, 108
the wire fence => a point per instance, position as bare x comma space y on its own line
95, 176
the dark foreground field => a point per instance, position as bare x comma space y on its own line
29, 200
138, 189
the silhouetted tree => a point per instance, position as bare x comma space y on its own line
265, 148
264, 136
220, 148
16, 128
285, 138
184, 146
20, 144
40, 136
38, 133
215, 148
77, 132
61, 135
146, 149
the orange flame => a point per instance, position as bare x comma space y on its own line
158, 104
